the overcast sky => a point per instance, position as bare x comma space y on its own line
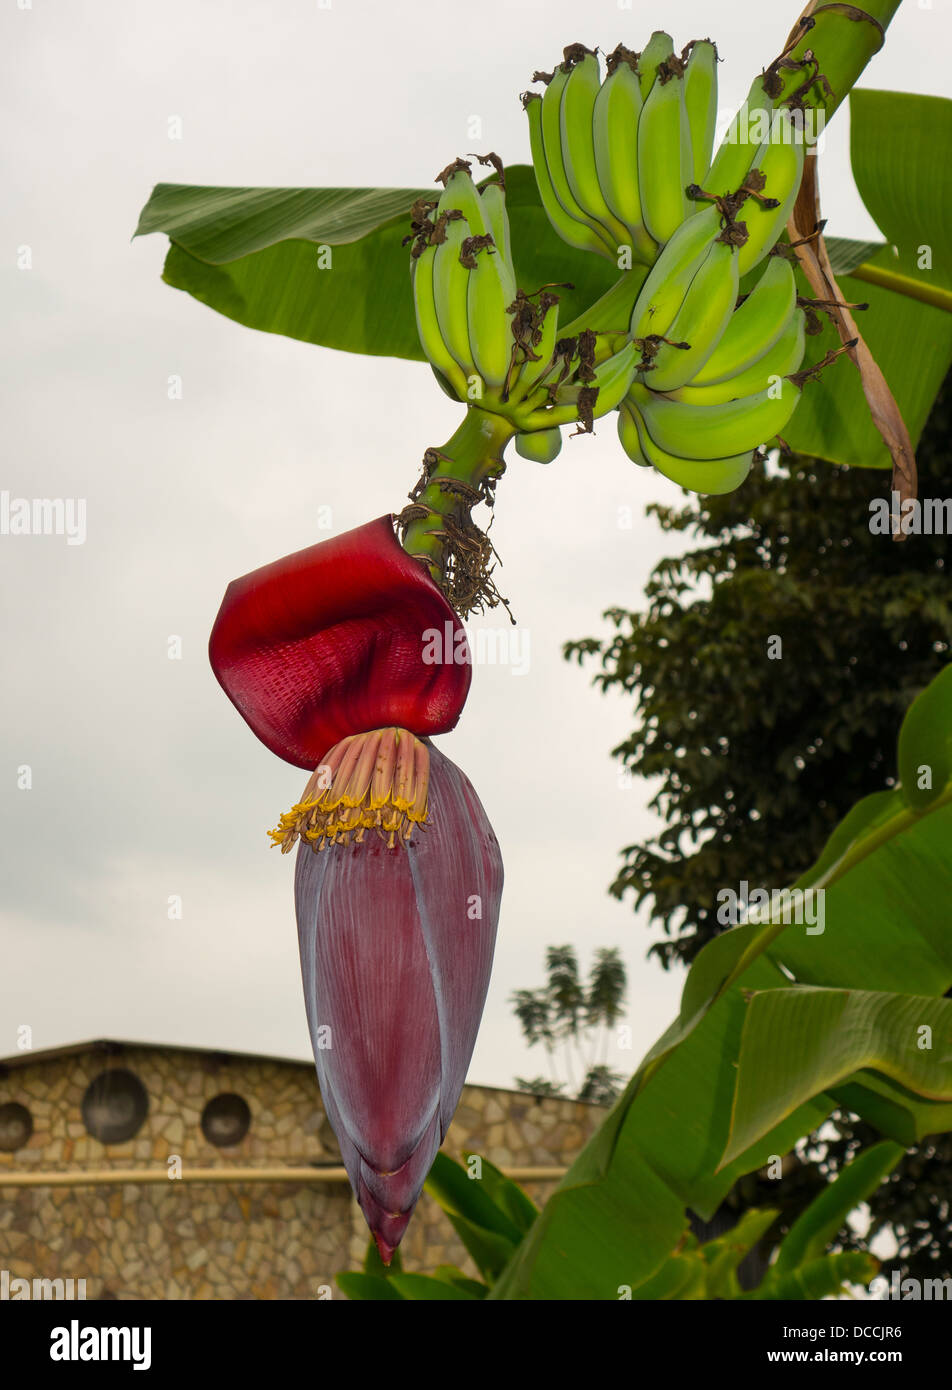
145, 782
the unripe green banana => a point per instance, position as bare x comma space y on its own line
667, 282
700, 322
755, 326
779, 361
628, 435
615, 133
451, 292
460, 193
573, 232
700, 100
665, 162
710, 477
578, 147
555, 158
658, 49
431, 339
541, 446
493, 204
742, 140
780, 160
716, 431
492, 291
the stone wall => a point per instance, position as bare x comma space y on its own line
174, 1239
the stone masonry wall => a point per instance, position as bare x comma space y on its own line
227, 1240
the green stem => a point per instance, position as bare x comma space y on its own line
471, 457
904, 284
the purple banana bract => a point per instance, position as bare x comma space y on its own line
396, 944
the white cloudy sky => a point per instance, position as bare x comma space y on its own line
145, 781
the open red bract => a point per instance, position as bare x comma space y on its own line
332, 641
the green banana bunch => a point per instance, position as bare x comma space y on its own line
578, 226
464, 287
614, 158
714, 381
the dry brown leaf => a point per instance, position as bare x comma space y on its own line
805, 223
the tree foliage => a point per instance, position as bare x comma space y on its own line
762, 746
759, 756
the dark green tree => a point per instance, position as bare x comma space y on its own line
761, 746
572, 1020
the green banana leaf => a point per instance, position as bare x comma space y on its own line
817, 1226
838, 1032
893, 1110
907, 189
617, 1216
821, 1278
253, 255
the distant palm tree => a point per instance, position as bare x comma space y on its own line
573, 1021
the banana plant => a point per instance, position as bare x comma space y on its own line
346, 658
491, 1215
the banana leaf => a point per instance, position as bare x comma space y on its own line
617, 1216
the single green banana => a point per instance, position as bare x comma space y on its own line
460, 193
700, 322
628, 435
658, 49
700, 99
780, 160
428, 327
742, 140
716, 431
615, 134
541, 446
493, 204
578, 148
710, 477
451, 293
555, 157
755, 326
573, 232
665, 163
492, 290
779, 361
668, 279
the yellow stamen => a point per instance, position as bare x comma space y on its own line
373, 781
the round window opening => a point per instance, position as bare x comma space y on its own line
16, 1126
226, 1120
114, 1106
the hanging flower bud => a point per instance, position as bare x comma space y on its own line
397, 889
338, 639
